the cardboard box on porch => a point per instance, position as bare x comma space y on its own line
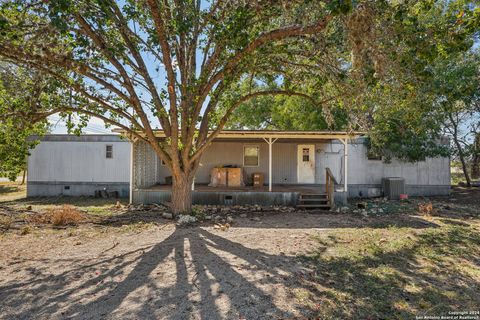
226, 177
258, 179
218, 177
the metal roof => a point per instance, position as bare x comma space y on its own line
283, 134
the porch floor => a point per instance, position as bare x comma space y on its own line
306, 189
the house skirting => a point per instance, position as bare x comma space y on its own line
286, 198
68, 188
375, 190
221, 197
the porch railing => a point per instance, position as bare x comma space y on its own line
330, 187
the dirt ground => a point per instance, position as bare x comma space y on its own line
268, 265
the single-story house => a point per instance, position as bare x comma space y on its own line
308, 168
305, 168
79, 165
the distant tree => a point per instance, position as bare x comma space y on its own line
457, 84
21, 92
476, 157
181, 64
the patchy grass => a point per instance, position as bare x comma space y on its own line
13, 195
11, 191
394, 273
412, 258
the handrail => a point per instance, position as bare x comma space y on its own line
330, 187
329, 172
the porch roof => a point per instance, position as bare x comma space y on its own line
277, 134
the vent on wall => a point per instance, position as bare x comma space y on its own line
228, 200
393, 187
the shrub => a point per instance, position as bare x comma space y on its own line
66, 215
60, 216
25, 230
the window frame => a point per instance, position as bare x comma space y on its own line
258, 155
111, 151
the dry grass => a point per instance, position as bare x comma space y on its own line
59, 216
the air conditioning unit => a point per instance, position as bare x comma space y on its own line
393, 187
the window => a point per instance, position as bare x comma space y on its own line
250, 156
306, 154
109, 151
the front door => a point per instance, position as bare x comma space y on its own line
306, 163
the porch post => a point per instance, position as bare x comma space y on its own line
345, 166
270, 164
131, 171
270, 143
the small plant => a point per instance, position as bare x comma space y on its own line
185, 219
198, 212
426, 209
25, 230
6, 222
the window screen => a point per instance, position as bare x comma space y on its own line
306, 154
109, 152
250, 156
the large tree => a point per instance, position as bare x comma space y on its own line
179, 64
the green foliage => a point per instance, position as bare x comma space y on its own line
385, 81
367, 65
22, 92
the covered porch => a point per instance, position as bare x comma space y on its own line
291, 162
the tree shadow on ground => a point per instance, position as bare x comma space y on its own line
8, 189
292, 220
189, 274
195, 273
432, 274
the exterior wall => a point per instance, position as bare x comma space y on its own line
149, 170
429, 177
71, 165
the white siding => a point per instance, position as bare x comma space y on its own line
75, 161
361, 171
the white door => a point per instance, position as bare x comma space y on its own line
306, 163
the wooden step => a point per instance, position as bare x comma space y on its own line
318, 206
313, 200
313, 195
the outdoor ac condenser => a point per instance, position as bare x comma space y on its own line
393, 187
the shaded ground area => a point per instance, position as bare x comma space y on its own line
267, 265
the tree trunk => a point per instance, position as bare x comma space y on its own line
462, 160
459, 148
182, 193
23, 177
476, 157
